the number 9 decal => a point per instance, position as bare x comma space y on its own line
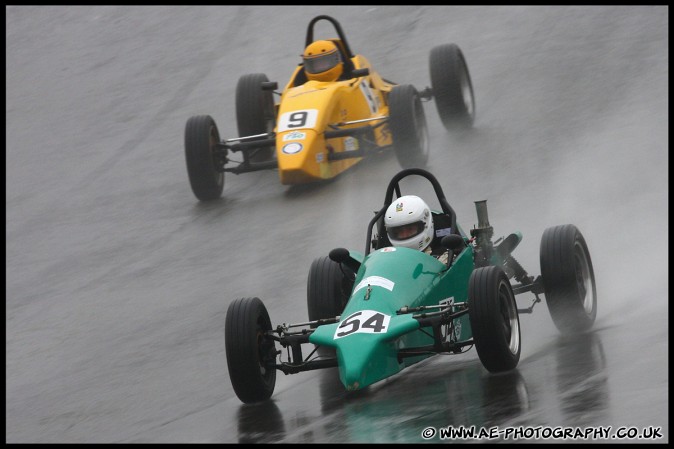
365, 321
305, 118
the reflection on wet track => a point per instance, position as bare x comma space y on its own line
441, 393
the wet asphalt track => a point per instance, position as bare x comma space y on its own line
118, 279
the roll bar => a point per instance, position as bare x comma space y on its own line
388, 199
338, 28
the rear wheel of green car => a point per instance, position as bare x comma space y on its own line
568, 278
407, 123
494, 319
250, 354
204, 158
255, 112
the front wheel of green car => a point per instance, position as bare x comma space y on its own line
250, 354
494, 319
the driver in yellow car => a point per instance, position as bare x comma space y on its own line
322, 61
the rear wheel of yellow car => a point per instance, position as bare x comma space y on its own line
452, 87
407, 123
255, 112
204, 159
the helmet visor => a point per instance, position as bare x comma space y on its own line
321, 63
406, 231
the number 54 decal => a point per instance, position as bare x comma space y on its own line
365, 321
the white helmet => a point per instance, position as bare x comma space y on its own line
409, 223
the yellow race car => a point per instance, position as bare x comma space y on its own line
334, 110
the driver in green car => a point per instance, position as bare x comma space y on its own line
409, 224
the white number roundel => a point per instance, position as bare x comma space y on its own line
363, 321
305, 118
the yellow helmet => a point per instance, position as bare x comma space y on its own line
322, 61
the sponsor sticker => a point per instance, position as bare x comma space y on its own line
375, 281
457, 330
443, 232
447, 301
399, 207
294, 135
456, 335
388, 249
367, 93
350, 144
292, 148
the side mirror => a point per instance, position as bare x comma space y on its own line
360, 72
269, 85
342, 256
453, 242
339, 255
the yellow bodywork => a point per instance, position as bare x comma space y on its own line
306, 111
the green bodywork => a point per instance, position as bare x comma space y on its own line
388, 279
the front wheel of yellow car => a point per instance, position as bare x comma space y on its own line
255, 112
203, 160
407, 123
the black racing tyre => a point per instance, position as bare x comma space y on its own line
328, 289
201, 136
568, 278
255, 112
250, 356
407, 123
452, 87
492, 311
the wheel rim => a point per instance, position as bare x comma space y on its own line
261, 353
264, 350
466, 92
213, 140
269, 115
422, 129
583, 278
511, 325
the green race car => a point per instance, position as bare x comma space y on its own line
375, 313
